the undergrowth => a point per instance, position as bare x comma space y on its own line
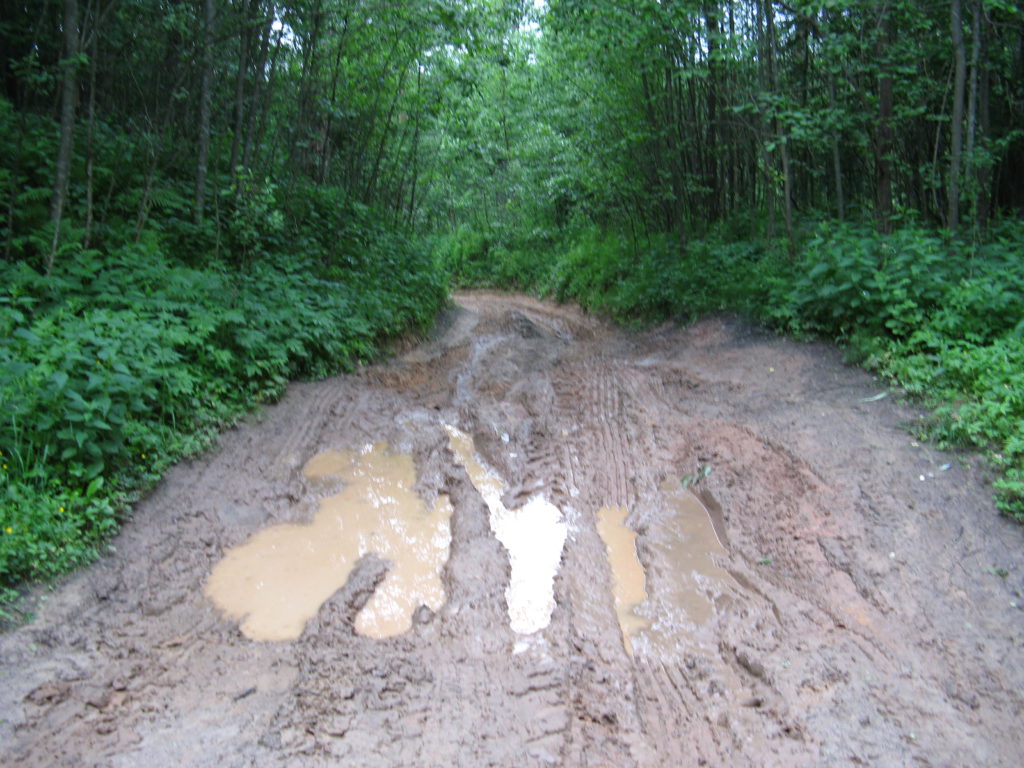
119, 363
937, 316
941, 317
632, 282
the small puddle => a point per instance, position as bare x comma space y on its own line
533, 535
627, 574
277, 580
689, 587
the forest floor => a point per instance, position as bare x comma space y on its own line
840, 596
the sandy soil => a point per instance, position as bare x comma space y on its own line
864, 621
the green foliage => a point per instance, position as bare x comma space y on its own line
634, 283
117, 364
942, 318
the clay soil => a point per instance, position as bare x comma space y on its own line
874, 618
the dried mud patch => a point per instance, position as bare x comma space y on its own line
855, 609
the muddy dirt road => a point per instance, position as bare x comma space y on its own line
830, 593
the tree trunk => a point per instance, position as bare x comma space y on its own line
715, 194
69, 93
984, 169
257, 86
244, 38
205, 99
837, 164
957, 121
777, 130
89, 152
268, 97
884, 135
12, 187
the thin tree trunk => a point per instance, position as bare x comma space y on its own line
716, 192
984, 169
787, 175
383, 139
258, 86
325, 150
12, 188
301, 130
205, 99
416, 144
143, 212
89, 159
837, 165
957, 122
268, 98
970, 163
884, 135
244, 37
69, 93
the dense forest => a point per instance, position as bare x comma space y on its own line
204, 200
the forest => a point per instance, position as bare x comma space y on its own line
205, 200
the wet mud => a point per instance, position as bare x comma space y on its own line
275, 582
533, 539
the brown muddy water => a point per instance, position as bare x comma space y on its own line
277, 581
628, 581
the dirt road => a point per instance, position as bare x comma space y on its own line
827, 592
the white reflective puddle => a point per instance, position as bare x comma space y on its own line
533, 535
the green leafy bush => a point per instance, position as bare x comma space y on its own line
942, 318
117, 364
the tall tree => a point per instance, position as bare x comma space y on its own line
68, 100
205, 102
957, 117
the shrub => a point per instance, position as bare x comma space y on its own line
119, 363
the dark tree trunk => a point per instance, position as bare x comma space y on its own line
837, 163
244, 42
957, 119
884, 135
205, 99
69, 95
89, 159
777, 130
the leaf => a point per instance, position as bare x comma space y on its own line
874, 398
59, 379
94, 486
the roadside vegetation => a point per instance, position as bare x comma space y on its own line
203, 201
938, 316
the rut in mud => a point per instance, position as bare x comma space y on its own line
829, 594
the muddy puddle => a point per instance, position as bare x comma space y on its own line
688, 589
277, 580
628, 580
533, 535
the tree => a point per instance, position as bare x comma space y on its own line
205, 100
68, 100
